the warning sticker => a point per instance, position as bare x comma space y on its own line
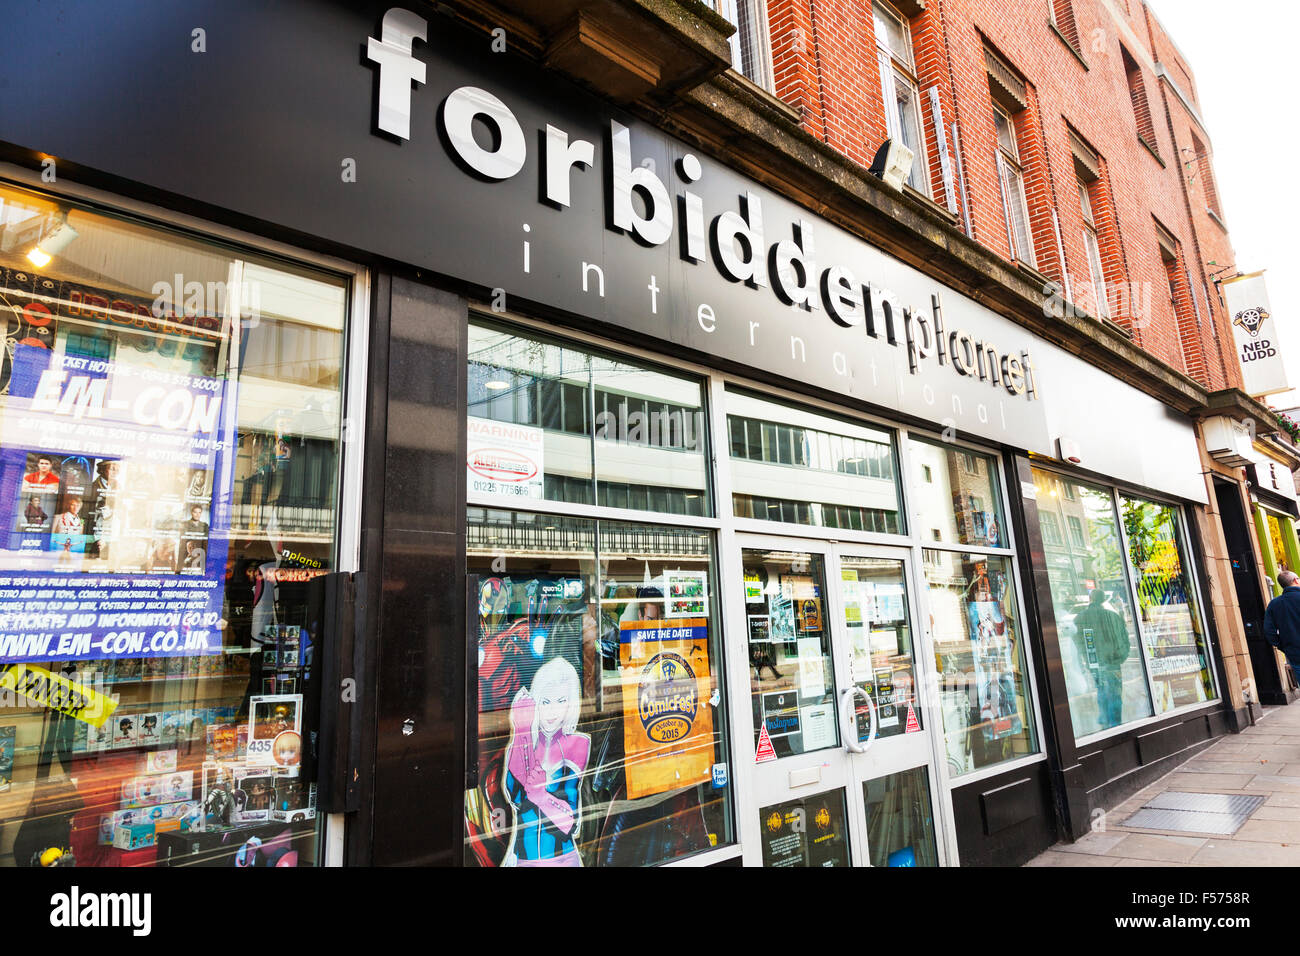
57, 693
913, 725
765, 751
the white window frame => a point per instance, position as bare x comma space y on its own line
1092, 248
896, 66
1010, 159
761, 51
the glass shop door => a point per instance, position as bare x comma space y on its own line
842, 769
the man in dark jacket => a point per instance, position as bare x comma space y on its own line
1102, 639
1282, 620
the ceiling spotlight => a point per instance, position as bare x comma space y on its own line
893, 163
496, 385
51, 245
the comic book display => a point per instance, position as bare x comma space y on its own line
167, 494
598, 714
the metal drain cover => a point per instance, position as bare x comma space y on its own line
1221, 813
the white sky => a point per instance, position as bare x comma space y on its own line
1244, 58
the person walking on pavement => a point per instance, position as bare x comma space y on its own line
1102, 639
1282, 620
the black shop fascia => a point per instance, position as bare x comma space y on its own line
487, 141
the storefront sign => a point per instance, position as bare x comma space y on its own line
114, 477
667, 720
1255, 334
503, 459
571, 205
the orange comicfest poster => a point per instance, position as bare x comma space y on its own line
667, 717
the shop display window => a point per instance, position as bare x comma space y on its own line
988, 717
798, 467
170, 416
600, 708
1096, 626
1172, 632
955, 495
549, 421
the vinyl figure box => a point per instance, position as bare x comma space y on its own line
295, 800
134, 836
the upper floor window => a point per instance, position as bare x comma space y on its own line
751, 51
1206, 174
1061, 15
1093, 249
1138, 96
1011, 178
899, 90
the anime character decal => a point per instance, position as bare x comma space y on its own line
544, 763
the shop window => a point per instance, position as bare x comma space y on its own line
601, 722
1277, 541
955, 502
1104, 672
902, 100
979, 650
1172, 629
171, 415
844, 474
556, 422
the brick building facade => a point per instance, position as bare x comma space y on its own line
1098, 97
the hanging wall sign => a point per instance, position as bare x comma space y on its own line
1255, 334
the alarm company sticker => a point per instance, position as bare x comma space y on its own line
765, 751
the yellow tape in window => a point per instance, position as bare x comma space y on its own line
57, 693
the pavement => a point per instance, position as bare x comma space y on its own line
1262, 760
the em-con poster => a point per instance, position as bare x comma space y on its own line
116, 453
667, 718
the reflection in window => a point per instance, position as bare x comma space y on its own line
643, 429
900, 821
987, 717
798, 467
1095, 623
962, 500
1171, 622
600, 716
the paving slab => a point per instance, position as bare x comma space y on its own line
1244, 853
1147, 846
1056, 858
1095, 843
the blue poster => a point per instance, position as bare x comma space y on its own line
116, 464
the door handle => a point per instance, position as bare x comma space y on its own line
848, 723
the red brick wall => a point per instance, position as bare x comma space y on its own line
824, 57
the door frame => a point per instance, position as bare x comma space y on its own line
759, 785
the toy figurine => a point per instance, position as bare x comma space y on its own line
545, 761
